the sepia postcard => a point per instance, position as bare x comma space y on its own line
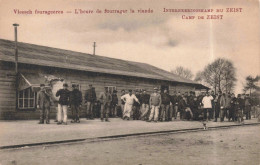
129, 82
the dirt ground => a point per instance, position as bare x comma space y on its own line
239, 145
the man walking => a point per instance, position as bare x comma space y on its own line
155, 103
105, 100
90, 98
43, 103
129, 101
165, 106
75, 103
63, 104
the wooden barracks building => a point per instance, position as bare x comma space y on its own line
38, 64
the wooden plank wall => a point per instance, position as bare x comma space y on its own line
181, 88
7, 91
99, 81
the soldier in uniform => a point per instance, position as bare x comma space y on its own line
165, 106
239, 110
228, 105
136, 106
105, 100
174, 106
196, 109
43, 103
144, 100
90, 98
114, 104
75, 103
64, 95
155, 103
213, 105
178, 105
248, 107
232, 108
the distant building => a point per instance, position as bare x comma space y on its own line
38, 63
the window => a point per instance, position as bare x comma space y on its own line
110, 88
26, 99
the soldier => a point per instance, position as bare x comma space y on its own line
90, 98
177, 104
247, 110
155, 103
43, 103
182, 105
105, 100
63, 104
114, 104
145, 105
220, 107
239, 109
136, 106
232, 108
228, 105
213, 105
197, 111
165, 106
191, 101
174, 106
75, 103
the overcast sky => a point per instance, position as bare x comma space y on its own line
164, 40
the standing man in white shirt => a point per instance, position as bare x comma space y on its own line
129, 101
207, 105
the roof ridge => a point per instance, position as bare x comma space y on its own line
72, 51
41, 55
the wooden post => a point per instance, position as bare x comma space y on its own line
16, 63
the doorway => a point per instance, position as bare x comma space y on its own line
163, 87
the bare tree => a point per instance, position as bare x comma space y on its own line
229, 77
251, 83
183, 72
220, 75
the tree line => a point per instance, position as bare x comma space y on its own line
220, 75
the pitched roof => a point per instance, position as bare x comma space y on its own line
53, 57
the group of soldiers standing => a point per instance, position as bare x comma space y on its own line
158, 106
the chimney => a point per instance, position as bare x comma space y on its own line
94, 48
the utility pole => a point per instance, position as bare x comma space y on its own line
16, 62
94, 48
